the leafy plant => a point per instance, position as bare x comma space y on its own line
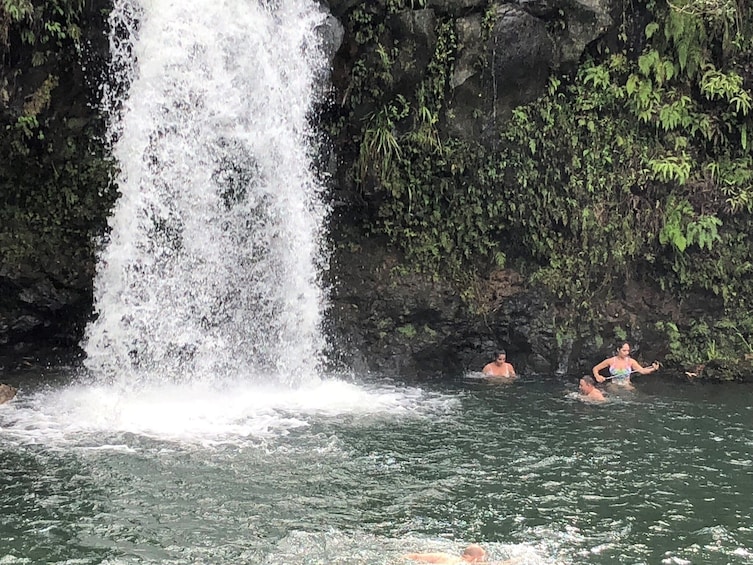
636, 166
682, 228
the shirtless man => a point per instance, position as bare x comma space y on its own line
471, 554
500, 367
589, 391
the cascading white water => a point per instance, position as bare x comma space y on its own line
212, 263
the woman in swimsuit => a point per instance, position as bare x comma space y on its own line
621, 366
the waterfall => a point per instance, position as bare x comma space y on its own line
210, 269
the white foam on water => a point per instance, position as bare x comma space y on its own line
193, 413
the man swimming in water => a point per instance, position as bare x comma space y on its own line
471, 554
588, 390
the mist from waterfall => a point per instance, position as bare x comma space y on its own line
211, 266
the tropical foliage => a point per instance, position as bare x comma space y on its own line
54, 172
635, 167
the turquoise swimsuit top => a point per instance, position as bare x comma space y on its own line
620, 376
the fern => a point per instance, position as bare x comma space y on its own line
597, 76
682, 228
675, 114
735, 179
686, 31
671, 168
675, 219
716, 85
744, 137
704, 232
647, 62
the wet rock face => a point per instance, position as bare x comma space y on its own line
38, 306
413, 33
54, 194
456, 7
505, 51
520, 49
495, 74
400, 323
386, 319
331, 34
508, 65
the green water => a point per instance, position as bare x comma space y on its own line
370, 471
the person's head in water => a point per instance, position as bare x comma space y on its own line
499, 367
474, 554
587, 384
